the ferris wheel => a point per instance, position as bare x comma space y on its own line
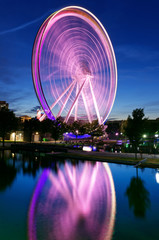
74, 67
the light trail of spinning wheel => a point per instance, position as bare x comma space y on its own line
70, 49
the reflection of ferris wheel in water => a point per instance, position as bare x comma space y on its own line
74, 67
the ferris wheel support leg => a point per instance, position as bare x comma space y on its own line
53, 105
66, 100
76, 107
76, 98
95, 103
86, 107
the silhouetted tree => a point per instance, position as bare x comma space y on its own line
134, 127
112, 128
44, 127
8, 122
57, 129
30, 126
138, 197
94, 129
75, 127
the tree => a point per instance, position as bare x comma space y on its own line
57, 129
113, 127
44, 127
94, 129
30, 126
8, 122
134, 127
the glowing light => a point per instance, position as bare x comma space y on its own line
39, 114
94, 148
73, 136
74, 66
87, 148
156, 135
78, 199
157, 177
144, 136
12, 136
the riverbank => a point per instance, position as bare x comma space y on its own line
63, 152
151, 161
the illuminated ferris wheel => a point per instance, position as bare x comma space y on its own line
74, 67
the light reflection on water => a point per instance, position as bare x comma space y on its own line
77, 202
47, 199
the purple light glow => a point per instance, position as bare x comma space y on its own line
73, 136
74, 67
76, 203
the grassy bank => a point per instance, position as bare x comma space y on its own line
150, 162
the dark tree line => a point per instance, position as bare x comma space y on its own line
8, 122
133, 128
56, 128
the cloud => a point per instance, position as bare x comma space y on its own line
15, 29
112, 119
34, 109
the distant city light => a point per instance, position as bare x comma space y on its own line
144, 136
87, 148
157, 177
94, 148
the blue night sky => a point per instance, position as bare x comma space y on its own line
133, 27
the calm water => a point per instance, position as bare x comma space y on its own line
76, 200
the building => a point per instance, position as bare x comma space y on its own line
17, 136
24, 118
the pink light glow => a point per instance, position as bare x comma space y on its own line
73, 46
76, 203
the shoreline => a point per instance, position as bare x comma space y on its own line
107, 157
58, 152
